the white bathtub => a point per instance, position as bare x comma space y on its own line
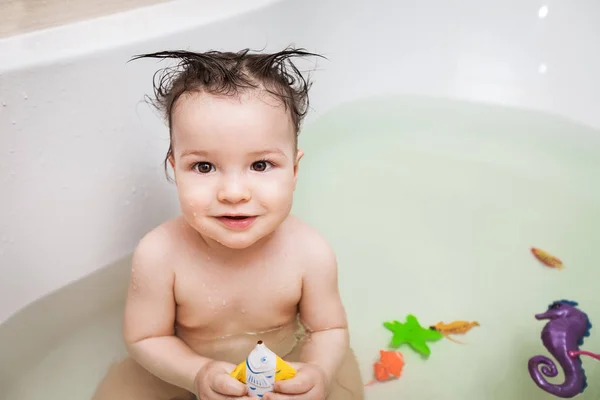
81, 178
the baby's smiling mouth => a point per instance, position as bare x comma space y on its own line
237, 222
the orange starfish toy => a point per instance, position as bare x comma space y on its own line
388, 367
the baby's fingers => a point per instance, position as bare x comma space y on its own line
228, 386
300, 384
281, 396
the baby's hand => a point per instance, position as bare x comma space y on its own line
214, 382
309, 384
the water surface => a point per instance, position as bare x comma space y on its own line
432, 207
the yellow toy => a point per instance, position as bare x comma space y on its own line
261, 369
453, 328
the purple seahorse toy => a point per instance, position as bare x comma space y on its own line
562, 336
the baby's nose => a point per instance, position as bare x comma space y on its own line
234, 190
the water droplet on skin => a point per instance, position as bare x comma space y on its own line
3, 104
243, 311
209, 299
14, 122
134, 286
194, 214
224, 303
25, 97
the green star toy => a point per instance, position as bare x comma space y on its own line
413, 334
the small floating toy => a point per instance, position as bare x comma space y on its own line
413, 334
562, 336
261, 369
454, 328
388, 367
576, 353
547, 259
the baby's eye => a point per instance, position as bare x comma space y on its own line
261, 166
203, 167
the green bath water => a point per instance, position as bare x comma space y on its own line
432, 207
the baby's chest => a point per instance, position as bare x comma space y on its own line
206, 299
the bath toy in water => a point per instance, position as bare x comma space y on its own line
454, 328
576, 353
547, 259
413, 334
388, 367
562, 334
261, 369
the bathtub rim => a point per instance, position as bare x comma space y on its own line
60, 43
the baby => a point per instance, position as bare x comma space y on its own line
235, 267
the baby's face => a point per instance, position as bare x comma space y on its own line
235, 165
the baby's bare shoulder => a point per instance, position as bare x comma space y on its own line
151, 302
310, 245
157, 248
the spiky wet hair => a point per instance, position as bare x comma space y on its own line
229, 73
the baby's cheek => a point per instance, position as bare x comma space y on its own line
194, 202
278, 194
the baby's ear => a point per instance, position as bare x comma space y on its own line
299, 155
172, 164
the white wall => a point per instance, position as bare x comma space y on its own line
479, 50
80, 173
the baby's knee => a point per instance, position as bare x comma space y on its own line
128, 380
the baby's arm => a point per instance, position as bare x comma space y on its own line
321, 310
149, 320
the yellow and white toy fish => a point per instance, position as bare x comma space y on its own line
261, 369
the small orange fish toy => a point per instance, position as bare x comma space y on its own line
388, 367
547, 259
454, 328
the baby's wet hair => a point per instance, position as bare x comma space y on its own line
229, 73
